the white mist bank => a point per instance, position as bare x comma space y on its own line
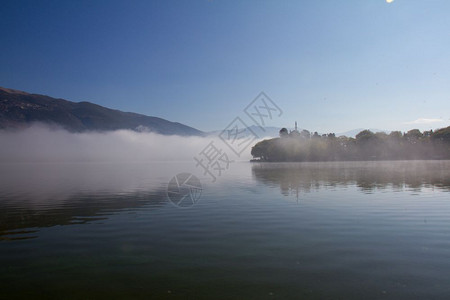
42, 144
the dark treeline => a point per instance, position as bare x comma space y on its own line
304, 146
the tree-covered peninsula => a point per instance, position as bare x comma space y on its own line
304, 146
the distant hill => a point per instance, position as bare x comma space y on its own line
20, 109
275, 131
260, 132
354, 132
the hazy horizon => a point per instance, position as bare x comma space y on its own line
332, 66
42, 143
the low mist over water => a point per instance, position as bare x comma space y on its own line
43, 144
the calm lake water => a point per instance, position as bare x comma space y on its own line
348, 230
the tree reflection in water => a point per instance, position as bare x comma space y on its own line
369, 176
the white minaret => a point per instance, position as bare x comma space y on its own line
295, 125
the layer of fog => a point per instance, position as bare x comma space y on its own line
43, 144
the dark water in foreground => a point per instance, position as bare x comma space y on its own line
350, 230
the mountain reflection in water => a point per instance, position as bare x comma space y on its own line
44, 195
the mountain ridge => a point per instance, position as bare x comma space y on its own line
19, 109
353, 132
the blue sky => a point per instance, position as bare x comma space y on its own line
330, 65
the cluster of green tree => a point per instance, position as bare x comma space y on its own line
304, 146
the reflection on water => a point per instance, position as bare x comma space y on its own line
360, 230
76, 209
367, 176
45, 195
